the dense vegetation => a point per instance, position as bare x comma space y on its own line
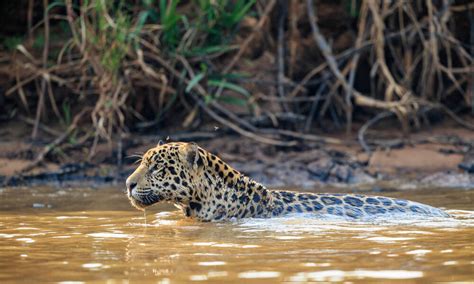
270, 70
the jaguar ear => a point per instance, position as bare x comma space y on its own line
192, 156
160, 143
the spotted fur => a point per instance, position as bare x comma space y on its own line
206, 188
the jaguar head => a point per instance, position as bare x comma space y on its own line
167, 172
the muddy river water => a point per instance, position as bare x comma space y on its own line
93, 235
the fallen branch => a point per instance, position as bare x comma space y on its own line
56, 142
241, 131
307, 137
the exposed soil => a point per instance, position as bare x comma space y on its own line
442, 156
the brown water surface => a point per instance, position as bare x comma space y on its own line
51, 235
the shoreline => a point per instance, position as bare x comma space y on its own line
438, 157
427, 164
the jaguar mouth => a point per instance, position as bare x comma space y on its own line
142, 201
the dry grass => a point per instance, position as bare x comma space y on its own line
119, 63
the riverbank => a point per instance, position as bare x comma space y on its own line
442, 156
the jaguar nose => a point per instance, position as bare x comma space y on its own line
130, 186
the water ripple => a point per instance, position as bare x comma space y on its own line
339, 275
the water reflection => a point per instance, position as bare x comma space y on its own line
338, 275
59, 245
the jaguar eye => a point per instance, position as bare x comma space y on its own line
157, 171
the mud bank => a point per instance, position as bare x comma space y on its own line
440, 157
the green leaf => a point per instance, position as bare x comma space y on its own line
194, 82
240, 13
233, 101
230, 86
208, 99
142, 17
12, 42
209, 50
55, 4
38, 42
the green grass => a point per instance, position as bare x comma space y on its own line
106, 36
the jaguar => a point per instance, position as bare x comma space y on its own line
206, 188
